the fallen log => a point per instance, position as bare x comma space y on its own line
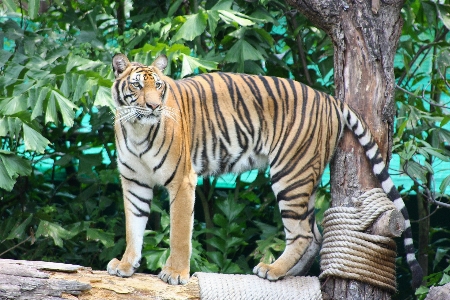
54, 281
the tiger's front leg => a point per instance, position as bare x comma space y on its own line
182, 196
137, 198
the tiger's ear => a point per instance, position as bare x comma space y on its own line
160, 62
120, 64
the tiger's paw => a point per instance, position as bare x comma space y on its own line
270, 272
174, 277
121, 268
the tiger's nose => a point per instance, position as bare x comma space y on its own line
153, 106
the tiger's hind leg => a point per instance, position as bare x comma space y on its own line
305, 262
302, 236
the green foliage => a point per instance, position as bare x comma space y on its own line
422, 132
60, 193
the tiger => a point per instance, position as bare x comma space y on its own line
169, 132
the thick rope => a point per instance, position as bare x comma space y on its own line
348, 252
215, 286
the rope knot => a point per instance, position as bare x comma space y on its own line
349, 252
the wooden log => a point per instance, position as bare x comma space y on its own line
137, 287
21, 270
42, 265
390, 224
32, 280
17, 287
439, 292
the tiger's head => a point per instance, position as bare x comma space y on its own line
139, 92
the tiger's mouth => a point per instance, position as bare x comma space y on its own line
136, 114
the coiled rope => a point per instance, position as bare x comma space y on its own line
348, 252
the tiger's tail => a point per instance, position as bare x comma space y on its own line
362, 133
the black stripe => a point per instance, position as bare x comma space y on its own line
142, 199
126, 165
173, 173
142, 213
383, 176
136, 182
299, 236
290, 214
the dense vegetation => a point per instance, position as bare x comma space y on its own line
60, 197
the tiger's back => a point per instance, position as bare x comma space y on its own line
240, 122
169, 132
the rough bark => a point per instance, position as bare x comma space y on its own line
39, 280
439, 292
390, 224
365, 36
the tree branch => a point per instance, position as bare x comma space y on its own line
420, 51
427, 193
431, 102
300, 46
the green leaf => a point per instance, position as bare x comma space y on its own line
15, 165
445, 279
444, 15
230, 208
19, 231
156, 258
12, 166
66, 107
34, 141
213, 19
54, 231
440, 254
242, 51
10, 5
444, 184
435, 152
429, 9
216, 257
220, 220
266, 229
229, 16
174, 7
218, 243
50, 112
80, 87
104, 98
11, 125
39, 105
194, 26
33, 7
222, 5
422, 290
4, 56
191, 63
416, 170
6, 182
81, 63
13, 105
98, 235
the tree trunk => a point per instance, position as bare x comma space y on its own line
365, 36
